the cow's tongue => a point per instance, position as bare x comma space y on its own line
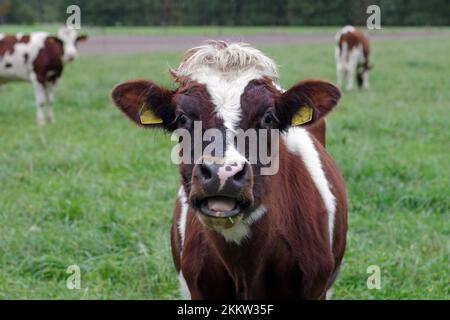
221, 204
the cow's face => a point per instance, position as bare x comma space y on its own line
223, 186
70, 40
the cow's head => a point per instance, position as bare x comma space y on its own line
229, 88
361, 71
69, 40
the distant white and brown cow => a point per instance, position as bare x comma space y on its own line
39, 58
237, 233
352, 57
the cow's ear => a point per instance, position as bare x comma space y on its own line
81, 38
306, 102
145, 103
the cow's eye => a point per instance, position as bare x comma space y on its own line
183, 120
267, 120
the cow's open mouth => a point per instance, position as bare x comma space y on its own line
221, 207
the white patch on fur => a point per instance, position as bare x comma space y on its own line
329, 294
257, 214
1, 36
236, 233
278, 87
184, 289
366, 79
225, 89
241, 230
50, 73
224, 173
344, 30
298, 141
233, 155
183, 214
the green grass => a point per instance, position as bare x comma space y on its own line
95, 191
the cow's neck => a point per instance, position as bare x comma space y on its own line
243, 260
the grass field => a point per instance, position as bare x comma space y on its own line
95, 191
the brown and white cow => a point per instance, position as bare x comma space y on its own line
352, 57
39, 58
237, 233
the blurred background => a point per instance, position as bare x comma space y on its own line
227, 13
94, 191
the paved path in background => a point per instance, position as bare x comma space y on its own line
109, 44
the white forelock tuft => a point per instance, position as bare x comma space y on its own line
225, 57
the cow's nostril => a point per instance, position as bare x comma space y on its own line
205, 172
241, 175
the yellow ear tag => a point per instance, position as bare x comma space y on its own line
303, 115
147, 116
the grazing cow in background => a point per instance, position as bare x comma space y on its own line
38, 58
352, 57
236, 233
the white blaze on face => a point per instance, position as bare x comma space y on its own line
225, 90
69, 38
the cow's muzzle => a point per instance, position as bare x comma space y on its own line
222, 190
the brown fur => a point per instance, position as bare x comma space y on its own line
49, 60
354, 39
8, 43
